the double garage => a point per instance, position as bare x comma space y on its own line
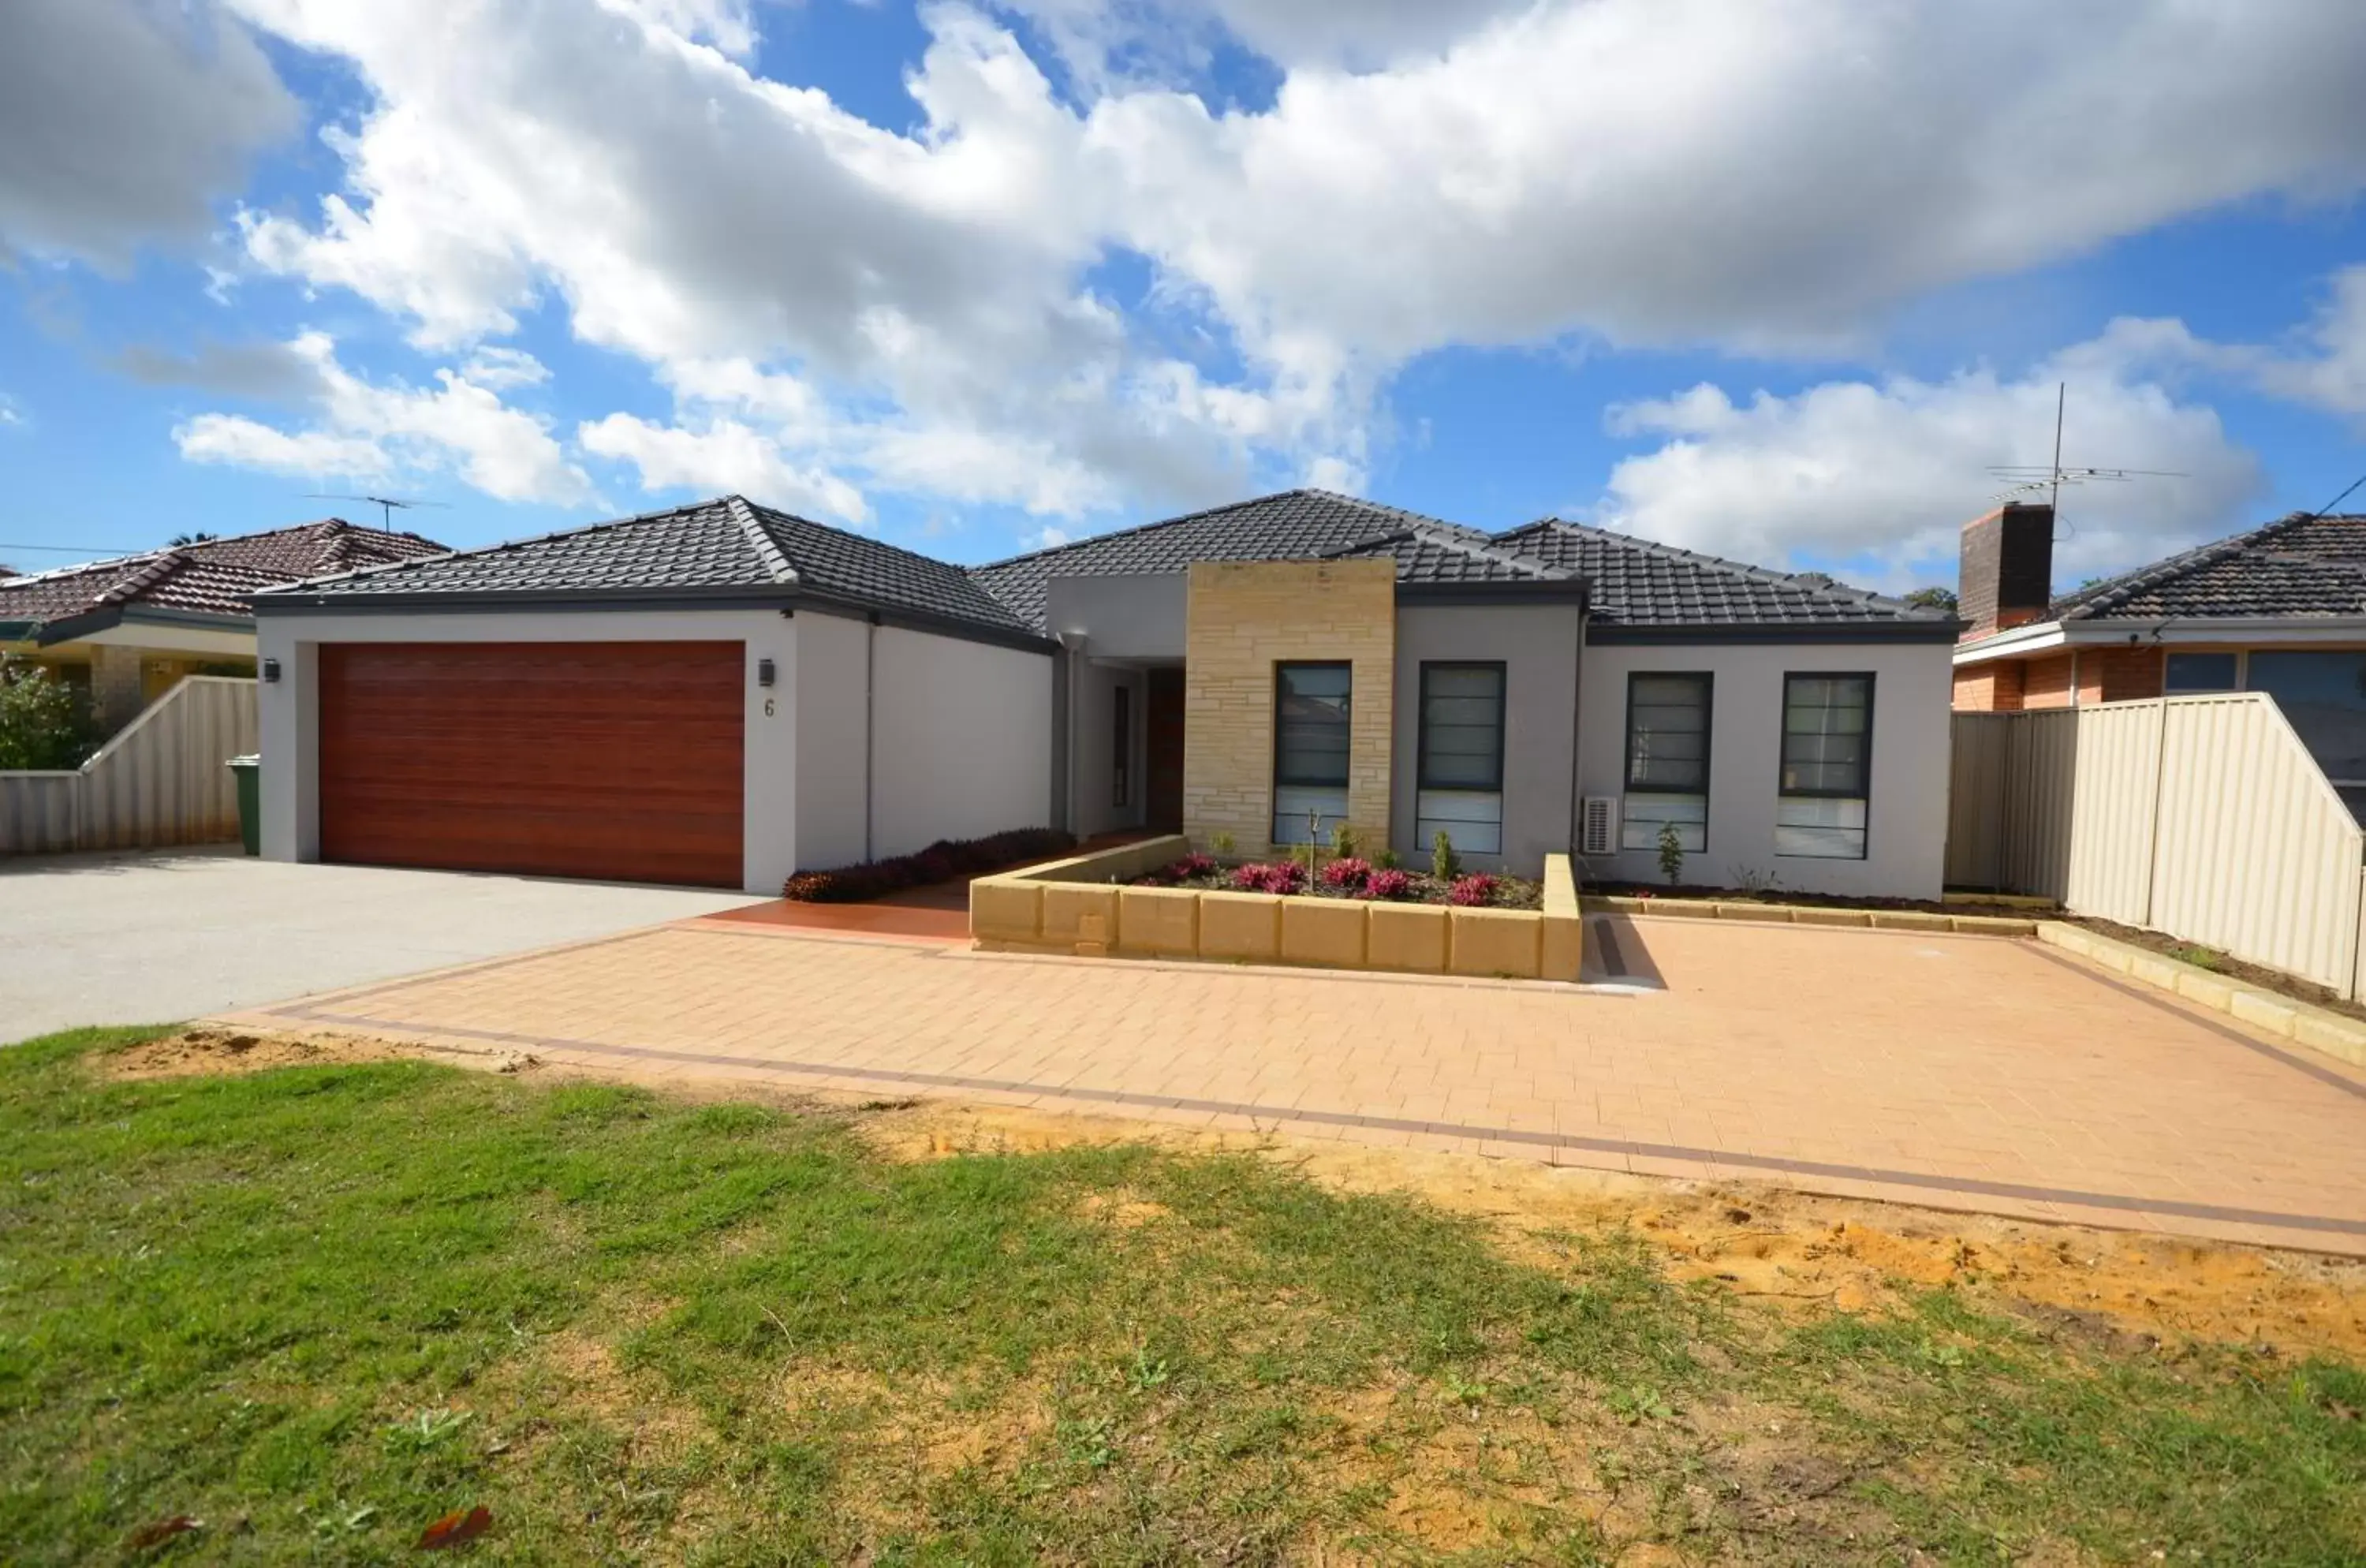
724, 748
620, 761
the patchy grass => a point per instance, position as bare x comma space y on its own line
318, 1307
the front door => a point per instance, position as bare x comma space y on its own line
1163, 739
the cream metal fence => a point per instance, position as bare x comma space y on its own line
159, 781
2204, 817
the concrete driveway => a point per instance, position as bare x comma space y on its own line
161, 936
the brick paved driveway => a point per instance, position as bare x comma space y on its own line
1961, 1072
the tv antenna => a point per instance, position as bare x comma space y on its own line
2025, 479
387, 505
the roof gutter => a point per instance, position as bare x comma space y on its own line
91, 622
2107, 631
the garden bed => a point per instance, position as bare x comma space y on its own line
1155, 899
1346, 877
2224, 965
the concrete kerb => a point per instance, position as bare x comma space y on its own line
1811, 915
1084, 905
2271, 1012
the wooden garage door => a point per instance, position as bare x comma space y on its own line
611, 760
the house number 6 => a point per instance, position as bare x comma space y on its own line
771, 706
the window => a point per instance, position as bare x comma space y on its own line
2323, 696
1460, 756
1310, 749
1122, 739
1667, 760
1827, 766
2199, 672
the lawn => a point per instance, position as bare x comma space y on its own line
317, 1308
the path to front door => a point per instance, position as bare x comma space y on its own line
1959, 1072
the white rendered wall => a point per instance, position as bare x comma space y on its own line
831, 716
288, 708
1906, 837
963, 746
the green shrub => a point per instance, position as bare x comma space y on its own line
1672, 854
44, 723
1444, 864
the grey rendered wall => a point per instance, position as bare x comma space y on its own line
1906, 835
1538, 646
1131, 616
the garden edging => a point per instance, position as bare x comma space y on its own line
1084, 905
2286, 1017
1811, 915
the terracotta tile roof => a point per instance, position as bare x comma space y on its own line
211, 577
2301, 565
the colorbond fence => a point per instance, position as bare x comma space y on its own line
159, 781
2204, 817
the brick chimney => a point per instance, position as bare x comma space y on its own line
2007, 574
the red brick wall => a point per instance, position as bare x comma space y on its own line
2118, 674
2046, 683
1993, 687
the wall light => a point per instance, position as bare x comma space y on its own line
271, 669
765, 674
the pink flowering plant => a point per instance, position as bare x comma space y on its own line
1347, 871
1345, 875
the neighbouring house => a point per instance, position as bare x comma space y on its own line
2281, 609
724, 692
126, 630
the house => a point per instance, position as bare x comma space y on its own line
724, 692
126, 630
2281, 609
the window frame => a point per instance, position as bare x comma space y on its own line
1347, 764
2233, 657
1707, 678
1422, 780
1864, 777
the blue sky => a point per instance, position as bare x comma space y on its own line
1776, 280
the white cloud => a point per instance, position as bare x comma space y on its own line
500, 369
1877, 477
915, 310
723, 456
1042, 538
8, 414
241, 443
365, 429
122, 121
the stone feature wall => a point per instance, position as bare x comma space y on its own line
1244, 618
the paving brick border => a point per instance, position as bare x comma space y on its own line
2317, 1027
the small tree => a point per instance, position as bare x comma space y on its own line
1444, 864
1344, 841
1672, 854
44, 723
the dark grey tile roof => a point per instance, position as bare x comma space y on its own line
1637, 582
1296, 524
2300, 565
715, 546
1444, 556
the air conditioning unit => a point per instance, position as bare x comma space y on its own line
1598, 826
